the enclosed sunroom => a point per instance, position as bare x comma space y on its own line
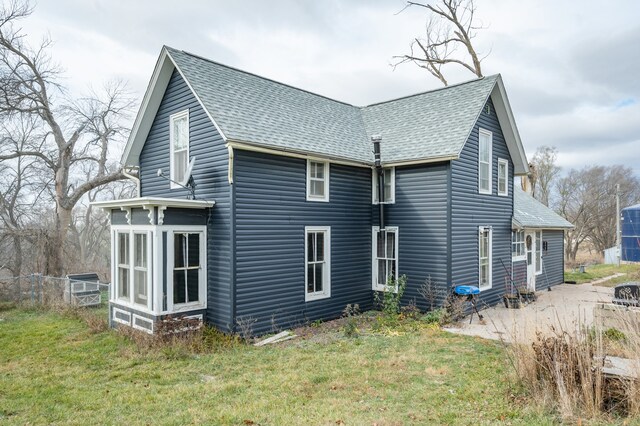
158, 260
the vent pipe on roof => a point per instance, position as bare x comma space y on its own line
376, 139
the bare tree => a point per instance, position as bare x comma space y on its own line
586, 198
450, 27
75, 137
545, 172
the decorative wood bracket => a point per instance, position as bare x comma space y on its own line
127, 211
151, 211
161, 210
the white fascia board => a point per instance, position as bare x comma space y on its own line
224, 138
148, 109
151, 202
509, 128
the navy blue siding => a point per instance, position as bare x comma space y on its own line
471, 210
552, 260
519, 274
271, 213
420, 212
211, 177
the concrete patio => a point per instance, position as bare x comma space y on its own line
569, 306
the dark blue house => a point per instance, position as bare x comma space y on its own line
284, 225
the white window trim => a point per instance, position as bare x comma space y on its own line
202, 283
149, 230
490, 134
172, 118
374, 186
374, 257
490, 258
146, 269
120, 266
326, 285
327, 169
506, 178
524, 244
537, 248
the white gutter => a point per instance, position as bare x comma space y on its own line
133, 178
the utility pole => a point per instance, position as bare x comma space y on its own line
618, 248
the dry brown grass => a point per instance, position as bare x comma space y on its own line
564, 371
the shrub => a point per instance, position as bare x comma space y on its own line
389, 299
432, 292
435, 316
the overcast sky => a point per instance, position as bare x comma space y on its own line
571, 69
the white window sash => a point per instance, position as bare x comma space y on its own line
311, 164
375, 285
391, 171
326, 263
518, 247
486, 164
486, 260
505, 164
173, 150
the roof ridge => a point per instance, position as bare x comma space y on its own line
260, 76
475, 80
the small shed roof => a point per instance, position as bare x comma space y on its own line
531, 213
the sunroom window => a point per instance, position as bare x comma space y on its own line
123, 265
179, 135
140, 271
186, 268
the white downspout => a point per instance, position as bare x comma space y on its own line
133, 178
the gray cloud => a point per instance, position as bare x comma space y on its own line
570, 70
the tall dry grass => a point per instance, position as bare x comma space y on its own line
568, 369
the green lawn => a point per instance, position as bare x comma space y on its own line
594, 272
55, 370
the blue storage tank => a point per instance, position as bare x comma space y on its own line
630, 234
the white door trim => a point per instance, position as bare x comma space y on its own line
530, 250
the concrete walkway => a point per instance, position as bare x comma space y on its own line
569, 306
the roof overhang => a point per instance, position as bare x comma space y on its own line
149, 202
149, 107
517, 225
509, 128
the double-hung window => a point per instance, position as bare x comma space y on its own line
385, 257
123, 265
484, 161
518, 251
317, 262
389, 185
538, 252
140, 271
179, 136
187, 268
317, 180
485, 258
503, 177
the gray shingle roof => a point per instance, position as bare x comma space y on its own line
428, 125
256, 110
530, 213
